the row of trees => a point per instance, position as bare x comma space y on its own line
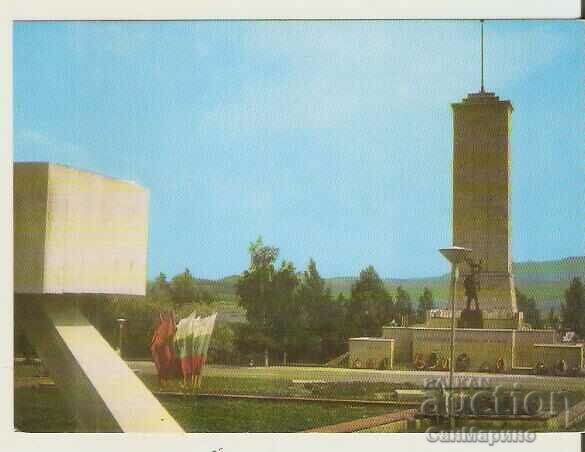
572, 312
527, 305
295, 315
180, 290
573, 309
291, 316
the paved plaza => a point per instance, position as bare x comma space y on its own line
376, 376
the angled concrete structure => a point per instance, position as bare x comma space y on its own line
77, 234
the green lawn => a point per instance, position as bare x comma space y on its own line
215, 415
284, 387
228, 385
43, 410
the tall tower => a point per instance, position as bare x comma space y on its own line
481, 194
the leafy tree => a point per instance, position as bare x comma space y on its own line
426, 302
268, 295
160, 290
573, 309
403, 306
222, 348
552, 321
528, 307
252, 342
202, 295
254, 284
370, 305
287, 320
183, 287
325, 317
313, 288
140, 313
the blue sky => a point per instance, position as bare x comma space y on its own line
332, 140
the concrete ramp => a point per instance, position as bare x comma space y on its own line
102, 392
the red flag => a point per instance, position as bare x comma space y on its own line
161, 346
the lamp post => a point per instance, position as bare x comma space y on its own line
455, 255
121, 322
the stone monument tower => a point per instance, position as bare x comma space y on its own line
481, 196
486, 331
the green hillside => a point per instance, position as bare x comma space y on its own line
224, 289
545, 281
550, 271
415, 286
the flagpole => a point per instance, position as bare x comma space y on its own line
482, 84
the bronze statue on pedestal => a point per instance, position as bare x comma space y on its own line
471, 318
471, 285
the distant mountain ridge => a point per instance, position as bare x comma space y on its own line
546, 281
550, 271
543, 280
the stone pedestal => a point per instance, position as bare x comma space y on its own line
470, 319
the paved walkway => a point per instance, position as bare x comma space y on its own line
383, 376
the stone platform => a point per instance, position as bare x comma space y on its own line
493, 319
470, 319
484, 347
495, 340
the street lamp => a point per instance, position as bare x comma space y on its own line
455, 255
121, 322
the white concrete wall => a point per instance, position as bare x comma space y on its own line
371, 352
402, 342
81, 232
525, 354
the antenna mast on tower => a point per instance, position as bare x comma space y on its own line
481, 21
